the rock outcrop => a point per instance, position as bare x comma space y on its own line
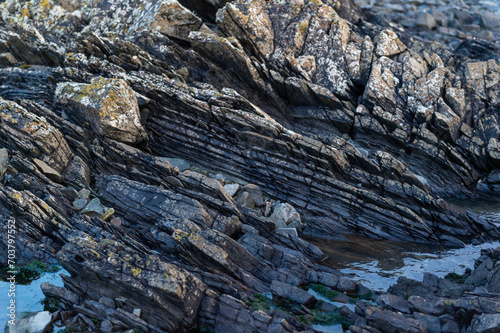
170, 168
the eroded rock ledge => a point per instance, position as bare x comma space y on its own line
123, 120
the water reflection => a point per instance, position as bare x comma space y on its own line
29, 295
379, 263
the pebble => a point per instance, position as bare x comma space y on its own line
79, 204
84, 194
426, 21
116, 221
232, 189
94, 208
489, 20
106, 326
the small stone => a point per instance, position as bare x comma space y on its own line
426, 21
107, 302
116, 221
493, 150
245, 200
488, 20
7, 59
106, 326
284, 214
84, 194
48, 171
4, 160
471, 28
255, 193
423, 114
463, 17
232, 189
295, 294
363, 151
108, 105
440, 18
346, 285
137, 312
94, 208
70, 193
174, 181
487, 35
268, 209
395, 302
79, 204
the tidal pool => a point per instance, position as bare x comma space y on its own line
28, 295
377, 263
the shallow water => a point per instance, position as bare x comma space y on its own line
377, 264
28, 296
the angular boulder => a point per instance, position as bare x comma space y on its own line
388, 44
108, 105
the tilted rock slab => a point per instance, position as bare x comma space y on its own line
33, 135
170, 298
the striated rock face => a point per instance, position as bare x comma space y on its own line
170, 298
169, 167
28, 132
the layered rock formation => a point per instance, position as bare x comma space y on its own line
340, 126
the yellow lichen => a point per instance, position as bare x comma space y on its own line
136, 271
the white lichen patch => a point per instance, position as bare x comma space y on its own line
388, 44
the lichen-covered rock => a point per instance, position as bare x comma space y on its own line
170, 297
109, 105
33, 135
168, 17
388, 44
381, 86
